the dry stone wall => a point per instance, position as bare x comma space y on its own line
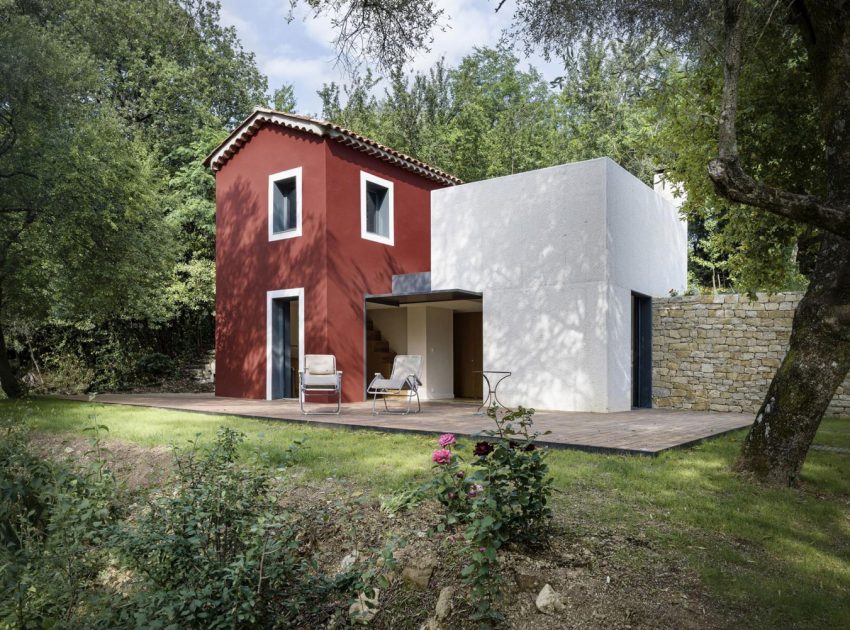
719, 352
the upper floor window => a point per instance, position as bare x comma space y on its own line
285, 204
376, 209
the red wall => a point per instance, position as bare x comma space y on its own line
356, 266
248, 264
330, 260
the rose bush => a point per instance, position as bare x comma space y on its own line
502, 498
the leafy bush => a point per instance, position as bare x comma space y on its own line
154, 367
54, 524
504, 499
111, 356
65, 373
216, 552
213, 551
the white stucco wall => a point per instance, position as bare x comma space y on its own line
556, 254
647, 241
647, 253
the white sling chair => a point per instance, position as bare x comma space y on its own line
320, 378
404, 381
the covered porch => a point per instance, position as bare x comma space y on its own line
445, 327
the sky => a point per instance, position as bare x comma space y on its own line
300, 52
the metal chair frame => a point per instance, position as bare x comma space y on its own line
326, 392
408, 386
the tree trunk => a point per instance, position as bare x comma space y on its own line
12, 386
817, 362
818, 358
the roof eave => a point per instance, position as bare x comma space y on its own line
222, 153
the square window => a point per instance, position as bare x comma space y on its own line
285, 204
376, 209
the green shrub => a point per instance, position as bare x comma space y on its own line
217, 552
212, 550
54, 526
504, 498
154, 367
66, 374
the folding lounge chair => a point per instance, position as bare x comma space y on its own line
320, 378
404, 381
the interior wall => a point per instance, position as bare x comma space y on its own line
417, 341
439, 363
430, 334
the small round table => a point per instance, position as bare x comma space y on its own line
499, 376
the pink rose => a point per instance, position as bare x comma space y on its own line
446, 439
441, 456
475, 490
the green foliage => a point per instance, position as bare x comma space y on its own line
283, 99
504, 499
212, 550
214, 553
107, 215
54, 524
609, 104
780, 143
79, 216
86, 356
154, 367
488, 117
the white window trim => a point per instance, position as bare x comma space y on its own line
276, 177
270, 296
368, 177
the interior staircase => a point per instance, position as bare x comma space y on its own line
379, 355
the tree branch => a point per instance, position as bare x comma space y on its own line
732, 182
734, 33
730, 179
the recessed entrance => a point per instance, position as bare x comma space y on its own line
444, 327
641, 351
283, 344
468, 355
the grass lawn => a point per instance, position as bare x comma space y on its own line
777, 557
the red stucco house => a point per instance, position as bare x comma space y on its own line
310, 218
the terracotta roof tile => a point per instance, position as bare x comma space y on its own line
261, 116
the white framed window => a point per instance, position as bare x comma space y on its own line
376, 209
285, 204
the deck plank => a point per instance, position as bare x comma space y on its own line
636, 432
